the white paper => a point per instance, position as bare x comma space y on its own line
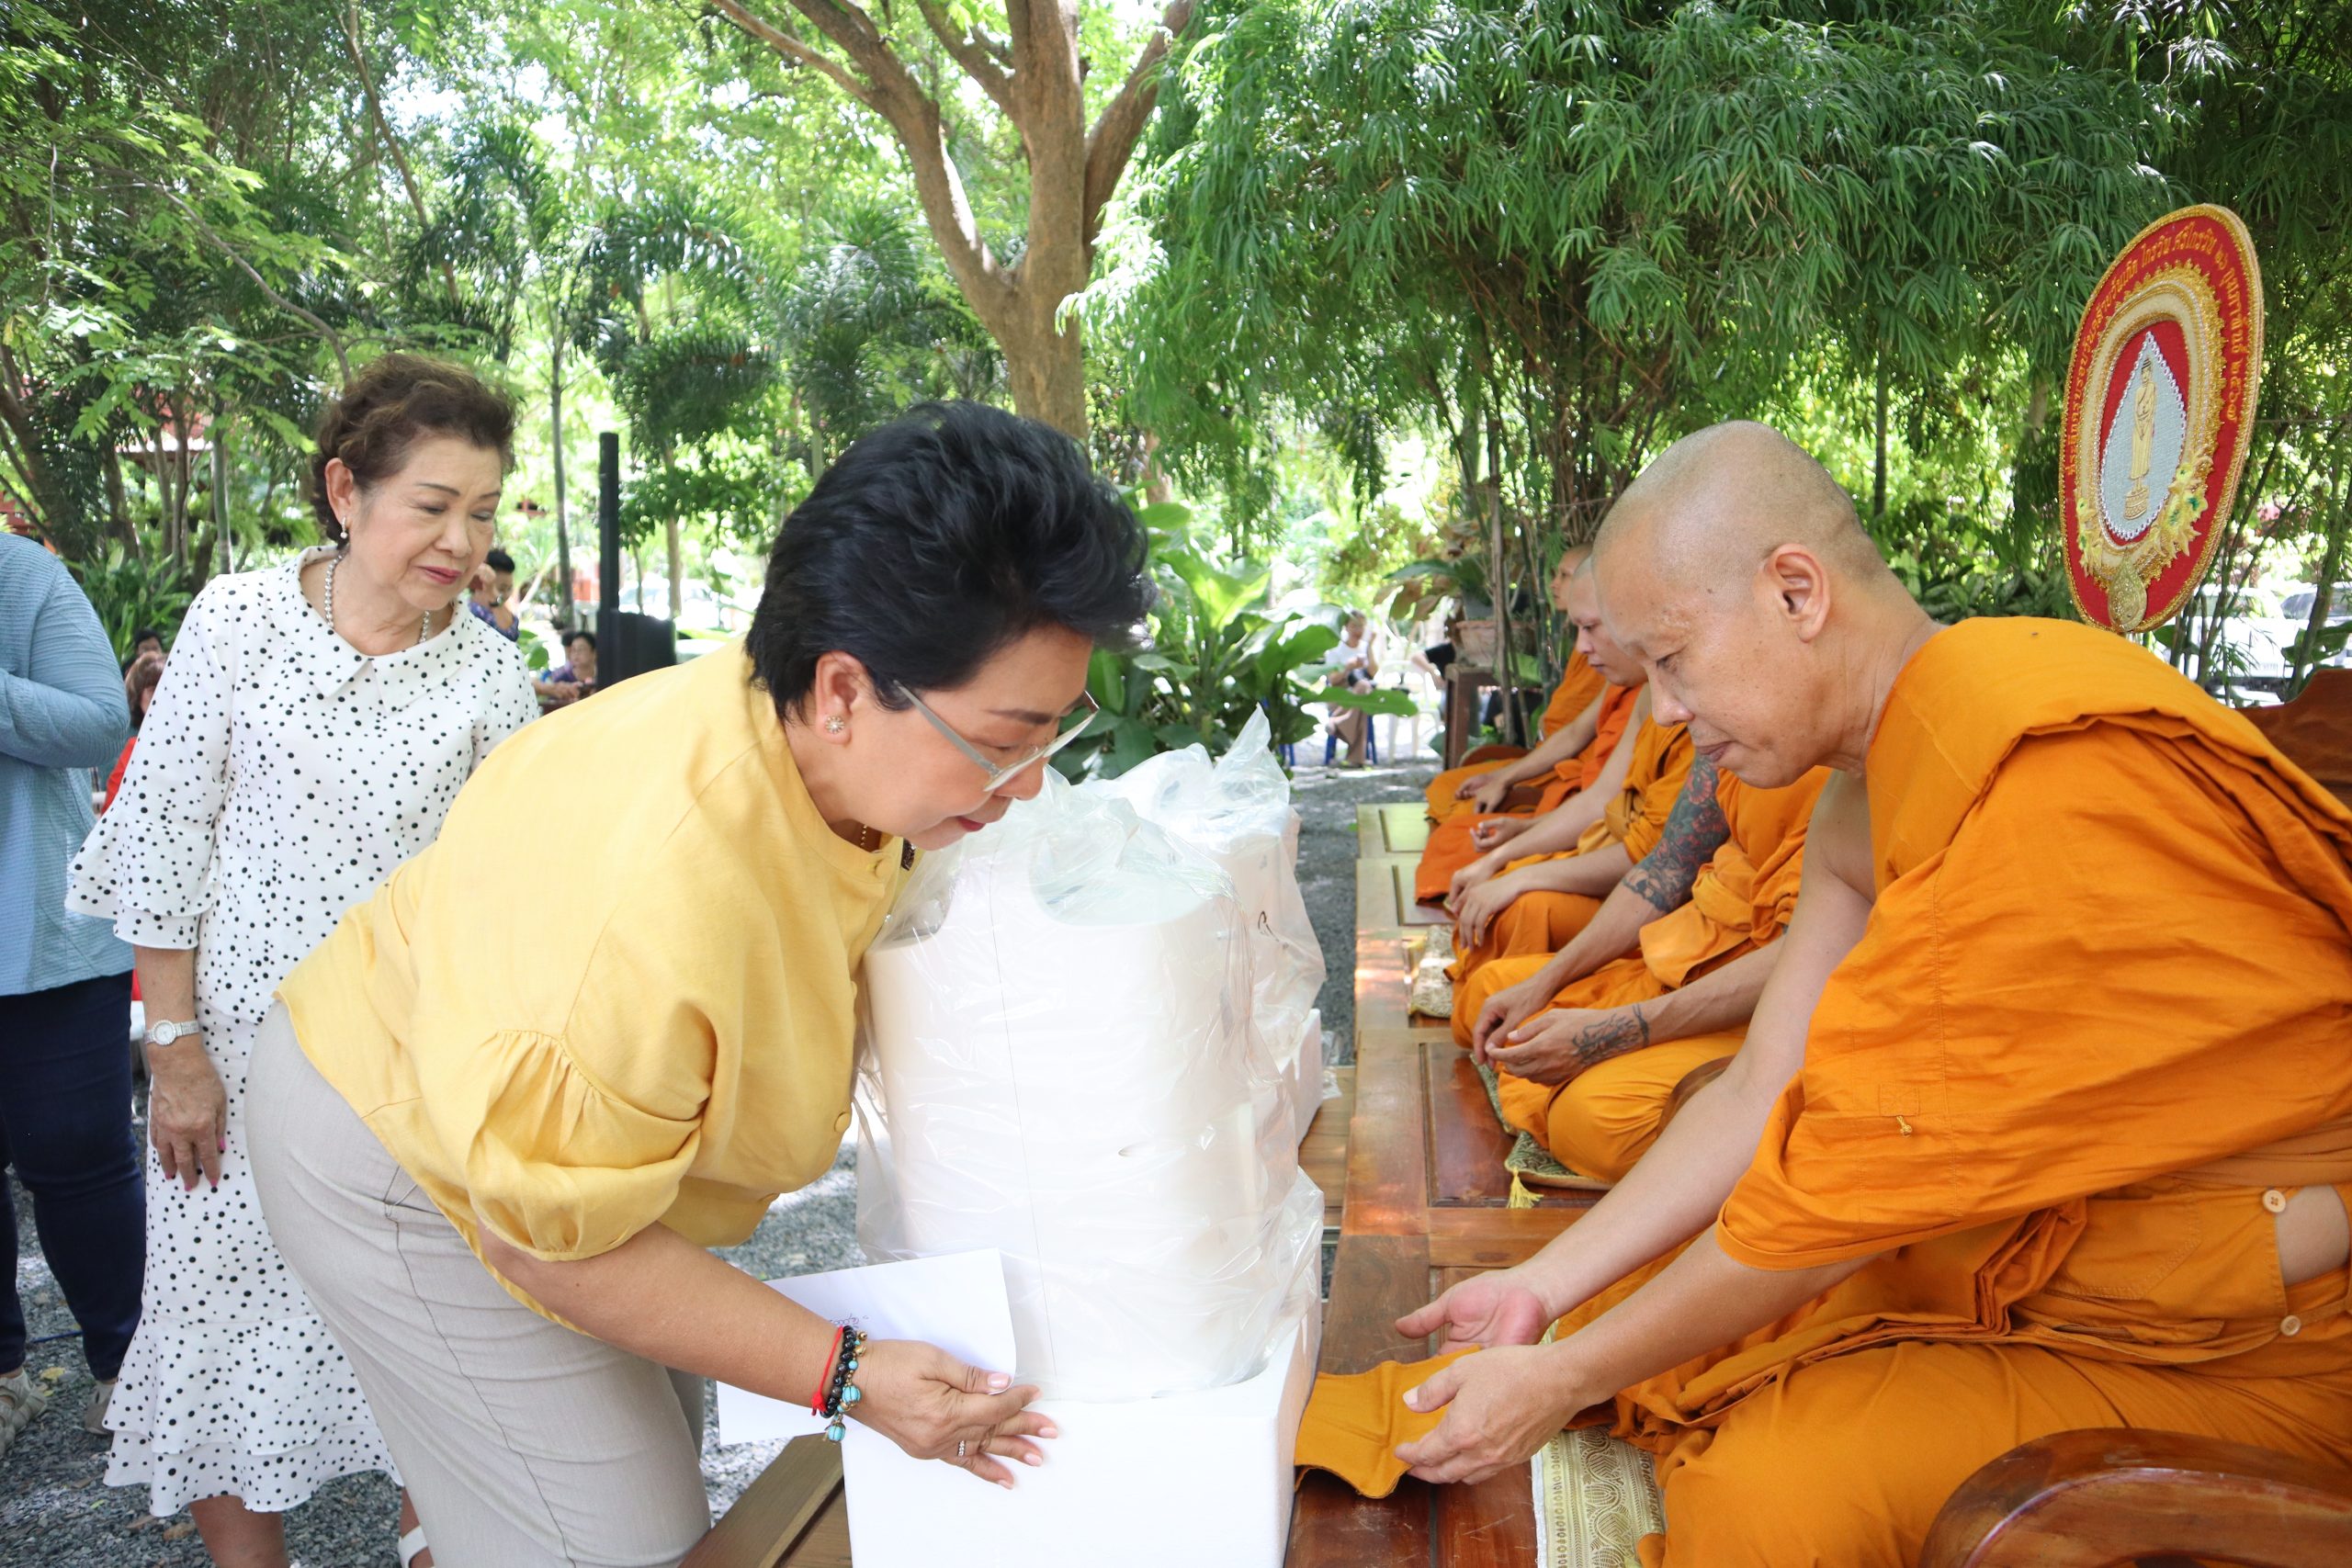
957, 1302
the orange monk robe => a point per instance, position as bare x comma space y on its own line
2094, 1033
1579, 685
1604, 1120
1450, 847
1654, 776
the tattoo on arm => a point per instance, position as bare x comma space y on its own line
1614, 1035
1694, 829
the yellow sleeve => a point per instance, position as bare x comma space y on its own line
555, 1164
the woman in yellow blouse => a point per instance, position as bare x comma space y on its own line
472, 1141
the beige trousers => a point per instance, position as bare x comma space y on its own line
523, 1442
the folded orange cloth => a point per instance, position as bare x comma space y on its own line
1355, 1422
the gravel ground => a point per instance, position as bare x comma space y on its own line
55, 1510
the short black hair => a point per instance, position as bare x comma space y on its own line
498, 561
936, 540
145, 634
581, 635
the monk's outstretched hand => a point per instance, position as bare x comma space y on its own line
1489, 1308
1488, 793
1500, 1406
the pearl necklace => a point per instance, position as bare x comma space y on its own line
424, 629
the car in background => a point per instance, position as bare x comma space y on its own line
2248, 662
2297, 608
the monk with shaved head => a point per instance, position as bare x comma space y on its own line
1461, 838
2043, 1120
1538, 882
1508, 778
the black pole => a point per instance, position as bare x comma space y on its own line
608, 547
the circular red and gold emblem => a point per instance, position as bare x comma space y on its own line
2160, 399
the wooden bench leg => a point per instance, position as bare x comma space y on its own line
772, 1511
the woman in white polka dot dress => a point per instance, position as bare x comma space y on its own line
313, 724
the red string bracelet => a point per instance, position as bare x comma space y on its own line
825, 1374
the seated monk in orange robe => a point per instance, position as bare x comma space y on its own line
1462, 840
1508, 779
1542, 898
2044, 1118
1591, 1042
1538, 882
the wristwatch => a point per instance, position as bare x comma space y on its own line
163, 1034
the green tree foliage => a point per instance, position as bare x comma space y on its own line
872, 324
1603, 223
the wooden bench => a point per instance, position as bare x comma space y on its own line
1402, 828
1427, 1204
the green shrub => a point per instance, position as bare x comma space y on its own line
1218, 656
128, 594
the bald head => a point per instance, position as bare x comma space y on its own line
1581, 603
1710, 507
1736, 570
1573, 560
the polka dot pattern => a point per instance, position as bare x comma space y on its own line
280, 775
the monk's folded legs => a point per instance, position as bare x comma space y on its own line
1846, 1462
1534, 925
1608, 1116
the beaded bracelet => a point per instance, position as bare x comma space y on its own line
825, 1374
842, 1390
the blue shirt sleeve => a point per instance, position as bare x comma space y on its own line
65, 707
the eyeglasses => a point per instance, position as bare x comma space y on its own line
1003, 774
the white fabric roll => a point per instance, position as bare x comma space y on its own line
1062, 1064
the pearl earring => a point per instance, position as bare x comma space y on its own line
835, 724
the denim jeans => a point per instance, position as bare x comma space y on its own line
65, 1131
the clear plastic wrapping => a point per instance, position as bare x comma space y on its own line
1062, 1063
1237, 812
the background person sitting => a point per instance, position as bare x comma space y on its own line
1355, 664
144, 643
491, 594
573, 678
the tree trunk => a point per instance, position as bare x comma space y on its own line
1046, 372
2331, 562
562, 514
677, 567
1036, 78
1878, 467
118, 506
221, 493
1498, 579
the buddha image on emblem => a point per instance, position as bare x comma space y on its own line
2144, 443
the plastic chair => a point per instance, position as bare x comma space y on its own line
1371, 742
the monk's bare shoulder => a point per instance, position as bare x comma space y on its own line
1838, 841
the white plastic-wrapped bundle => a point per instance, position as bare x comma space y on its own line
1238, 811
1061, 1064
